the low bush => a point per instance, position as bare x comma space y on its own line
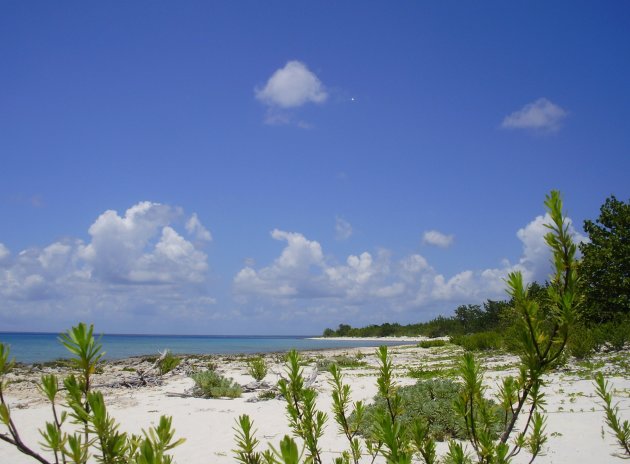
257, 368
267, 395
168, 363
430, 400
481, 341
616, 334
209, 384
431, 343
583, 342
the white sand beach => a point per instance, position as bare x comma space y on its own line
575, 421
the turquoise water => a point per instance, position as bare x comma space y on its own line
41, 347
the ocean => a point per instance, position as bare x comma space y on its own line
41, 347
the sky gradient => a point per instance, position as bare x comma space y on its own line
282, 167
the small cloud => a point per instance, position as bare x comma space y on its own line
541, 115
291, 87
343, 229
196, 228
436, 238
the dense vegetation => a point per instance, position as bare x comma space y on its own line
467, 319
605, 265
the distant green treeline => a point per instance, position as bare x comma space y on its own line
469, 318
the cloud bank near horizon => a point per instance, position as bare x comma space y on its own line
305, 277
134, 263
149, 264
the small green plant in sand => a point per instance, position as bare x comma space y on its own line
267, 395
257, 368
81, 426
620, 429
209, 384
168, 363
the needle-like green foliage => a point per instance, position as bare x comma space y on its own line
246, 442
542, 338
100, 437
257, 368
305, 420
350, 417
620, 429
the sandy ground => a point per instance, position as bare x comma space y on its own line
575, 421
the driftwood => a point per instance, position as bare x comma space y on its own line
140, 381
151, 376
254, 386
181, 395
311, 379
146, 377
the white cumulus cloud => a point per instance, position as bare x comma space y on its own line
436, 238
196, 228
541, 115
140, 247
303, 277
134, 265
292, 86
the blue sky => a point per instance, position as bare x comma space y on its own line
282, 167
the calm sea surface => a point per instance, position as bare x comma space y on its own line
40, 347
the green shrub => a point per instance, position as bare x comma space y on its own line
431, 343
257, 368
267, 395
510, 336
209, 384
430, 400
616, 335
582, 342
168, 363
481, 341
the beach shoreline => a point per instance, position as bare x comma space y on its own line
575, 419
